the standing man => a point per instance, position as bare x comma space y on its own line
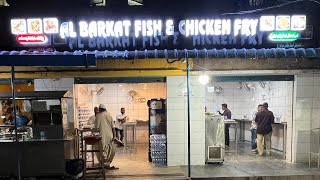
91, 121
105, 124
226, 115
253, 130
264, 120
120, 119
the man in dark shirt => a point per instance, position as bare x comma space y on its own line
264, 120
226, 115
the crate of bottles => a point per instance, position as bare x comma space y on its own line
158, 149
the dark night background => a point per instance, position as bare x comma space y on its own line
179, 9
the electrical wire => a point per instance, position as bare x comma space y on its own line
202, 67
173, 61
44, 83
60, 82
271, 7
54, 88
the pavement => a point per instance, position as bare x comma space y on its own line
244, 165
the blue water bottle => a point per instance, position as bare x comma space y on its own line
42, 135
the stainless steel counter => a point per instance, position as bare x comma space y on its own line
278, 138
242, 127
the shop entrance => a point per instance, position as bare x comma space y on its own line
144, 103
242, 95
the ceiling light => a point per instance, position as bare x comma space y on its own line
204, 79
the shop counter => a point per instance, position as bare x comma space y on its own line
38, 157
129, 133
279, 137
279, 134
244, 124
234, 124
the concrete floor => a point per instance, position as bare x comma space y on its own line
248, 166
133, 164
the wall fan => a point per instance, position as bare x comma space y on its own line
248, 87
132, 93
98, 90
262, 85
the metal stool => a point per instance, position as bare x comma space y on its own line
129, 133
315, 145
93, 140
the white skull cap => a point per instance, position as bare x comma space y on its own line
102, 106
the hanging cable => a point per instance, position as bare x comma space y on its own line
271, 7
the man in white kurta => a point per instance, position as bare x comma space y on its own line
92, 119
104, 123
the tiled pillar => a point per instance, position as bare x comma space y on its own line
177, 122
197, 128
289, 119
306, 114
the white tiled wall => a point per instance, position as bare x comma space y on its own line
115, 96
241, 102
306, 114
178, 124
63, 84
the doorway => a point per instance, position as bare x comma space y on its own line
132, 94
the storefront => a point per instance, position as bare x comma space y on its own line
209, 42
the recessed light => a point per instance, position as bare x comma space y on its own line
120, 85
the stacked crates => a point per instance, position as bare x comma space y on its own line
158, 149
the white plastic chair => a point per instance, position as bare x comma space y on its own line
315, 145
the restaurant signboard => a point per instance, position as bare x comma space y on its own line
126, 34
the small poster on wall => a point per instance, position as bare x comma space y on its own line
83, 117
64, 109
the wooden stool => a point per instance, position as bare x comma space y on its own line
93, 140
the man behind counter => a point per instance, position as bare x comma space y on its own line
21, 120
120, 119
227, 115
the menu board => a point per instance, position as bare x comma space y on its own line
64, 109
51, 25
34, 26
19, 26
84, 114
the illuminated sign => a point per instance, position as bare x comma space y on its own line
31, 38
140, 33
284, 36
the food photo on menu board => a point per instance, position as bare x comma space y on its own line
18, 26
267, 23
298, 22
51, 25
34, 26
283, 23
